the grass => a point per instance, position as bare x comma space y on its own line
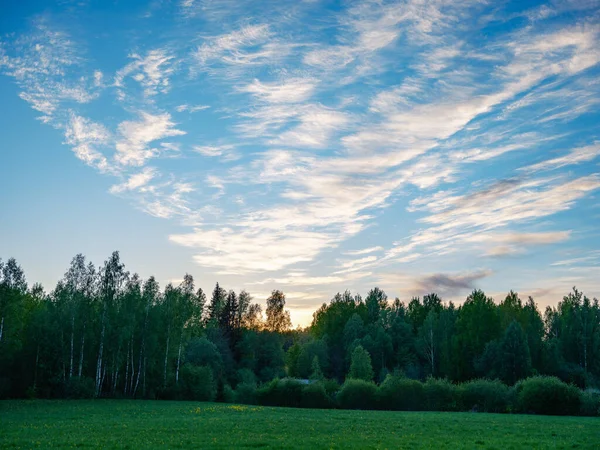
170, 425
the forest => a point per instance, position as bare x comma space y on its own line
105, 332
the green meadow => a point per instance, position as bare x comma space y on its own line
130, 424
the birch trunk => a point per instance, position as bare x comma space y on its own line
72, 345
132, 366
166, 358
178, 359
81, 351
126, 370
142, 349
1, 328
99, 372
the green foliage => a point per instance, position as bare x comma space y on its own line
357, 394
441, 395
246, 393
316, 373
314, 395
197, 383
547, 395
107, 327
361, 368
401, 394
590, 402
485, 396
285, 392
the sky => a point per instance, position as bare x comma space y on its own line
307, 146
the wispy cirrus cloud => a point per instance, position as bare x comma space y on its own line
134, 136
382, 136
151, 71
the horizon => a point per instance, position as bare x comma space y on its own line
310, 147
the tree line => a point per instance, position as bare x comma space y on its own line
105, 332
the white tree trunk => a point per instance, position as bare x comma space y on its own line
99, 372
142, 349
166, 358
81, 351
72, 345
126, 370
178, 359
1, 328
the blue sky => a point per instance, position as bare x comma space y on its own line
307, 146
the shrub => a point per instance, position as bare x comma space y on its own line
80, 387
246, 393
401, 394
285, 392
485, 395
547, 395
590, 403
357, 394
315, 396
228, 394
197, 383
441, 395
332, 387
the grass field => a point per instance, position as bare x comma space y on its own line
172, 425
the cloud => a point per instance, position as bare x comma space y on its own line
509, 243
294, 90
132, 146
135, 182
444, 284
85, 137
191, 109
245, 250
151, 71
364, 251
234, 47
456, 219
42, 63
575, 156
214, 150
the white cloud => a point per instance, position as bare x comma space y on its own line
191, 109
135, 181
364, 251
213, 150
85, 136
293, 90
132, 147
575, 156
152, 71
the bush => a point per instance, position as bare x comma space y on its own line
228, 394
246, 393
315, 396
441, 395
197, 383
285, 392
401, 394
485, 396
357, 394
590, 403
547, 395
332, 387
80, 387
